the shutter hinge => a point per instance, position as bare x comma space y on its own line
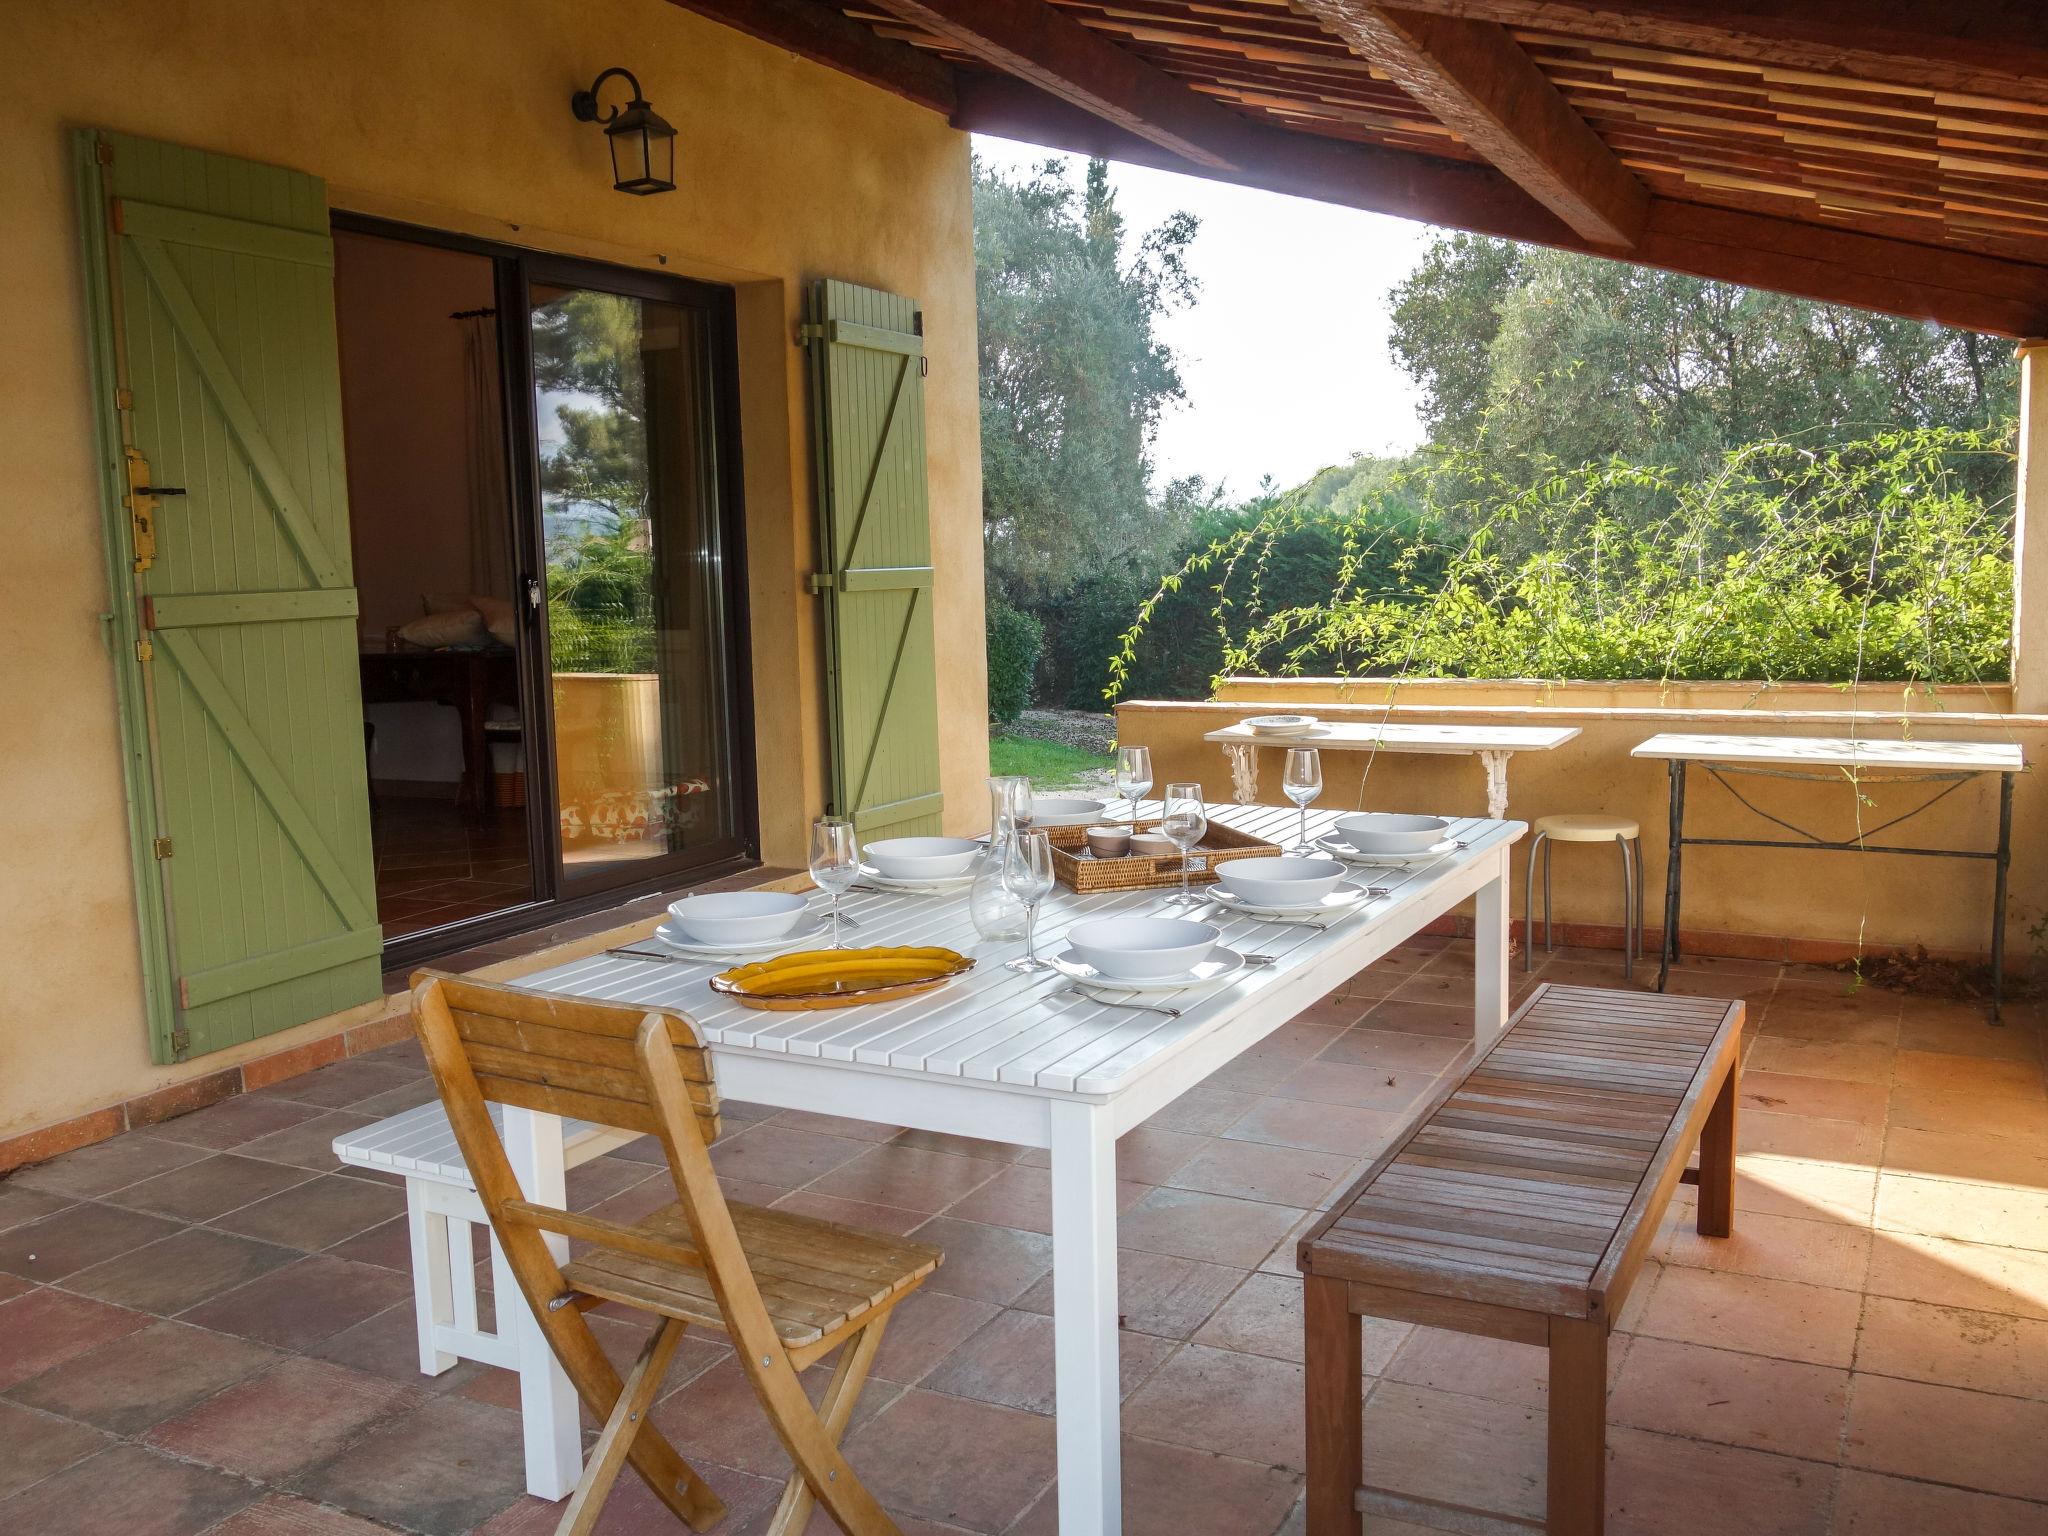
124, 399
103, 152
181, 1040
144, 651
161, 847
809, 332
822, 582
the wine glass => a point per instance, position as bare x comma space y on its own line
1183, 823
1133, 776
1303, 781
1027, 873
835, 862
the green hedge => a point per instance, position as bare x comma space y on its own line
1014, 641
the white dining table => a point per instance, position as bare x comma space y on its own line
1493, 745
1005, 1056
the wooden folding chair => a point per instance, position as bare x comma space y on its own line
788, 1289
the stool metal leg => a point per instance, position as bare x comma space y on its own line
1628, 939
1529, 905
1548, 947
1642, 934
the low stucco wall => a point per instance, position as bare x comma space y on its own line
1736, 900
455, 116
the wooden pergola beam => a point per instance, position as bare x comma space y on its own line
1475, 79
829, 37
1034, 42
1835, 266
1980, 47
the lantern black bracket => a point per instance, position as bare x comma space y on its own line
642, 143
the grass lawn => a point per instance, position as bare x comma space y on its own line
1048, 764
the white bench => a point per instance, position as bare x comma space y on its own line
441, 1209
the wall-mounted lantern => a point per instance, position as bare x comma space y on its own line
642, 142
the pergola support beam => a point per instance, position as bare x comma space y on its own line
2030, 537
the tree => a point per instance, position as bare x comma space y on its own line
1074, 378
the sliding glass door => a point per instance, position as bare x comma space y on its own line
632, 443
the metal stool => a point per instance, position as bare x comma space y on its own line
1586, 829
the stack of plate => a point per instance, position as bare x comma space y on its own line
739, 923
1145, 954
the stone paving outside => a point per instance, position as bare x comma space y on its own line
206, 1325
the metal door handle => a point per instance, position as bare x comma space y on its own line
160, 490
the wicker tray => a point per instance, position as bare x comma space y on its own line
1079, 870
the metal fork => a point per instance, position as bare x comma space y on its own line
1110, 1002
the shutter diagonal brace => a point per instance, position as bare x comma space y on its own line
867, 494
888, 697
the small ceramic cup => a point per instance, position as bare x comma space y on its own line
1109, 842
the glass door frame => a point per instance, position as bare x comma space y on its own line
515, 271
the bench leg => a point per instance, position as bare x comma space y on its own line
433, 1299
1335, 1397
1716, 1217
1576, 1501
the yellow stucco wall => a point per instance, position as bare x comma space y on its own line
452, 114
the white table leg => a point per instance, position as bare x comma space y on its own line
1496, 766
547, 1402
1084, 1307
1244, 771
432, 1277
1490, 955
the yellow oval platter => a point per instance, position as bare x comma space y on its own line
839, 978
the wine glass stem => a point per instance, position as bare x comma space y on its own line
835, 920
1185, 897
1303, 839
1031, 932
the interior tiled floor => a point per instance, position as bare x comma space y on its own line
436, 864
207, 1325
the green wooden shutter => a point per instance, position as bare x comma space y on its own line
875, 556
236, 635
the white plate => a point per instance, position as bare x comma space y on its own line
1269, 726
1223, 963
1043, 819
671, 935
873, 876
1337, 848
1344, 898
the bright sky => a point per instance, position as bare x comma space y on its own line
1284, 356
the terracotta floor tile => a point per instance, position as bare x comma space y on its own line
387, 1345
1832, 1141
1204, 1111
309, 1143
602, 1178
1813, 1098
1947, 1071
388, 1245
1842, 1021
1475, 1366
1358, 1085
1263, 1317
715, 1417
344, 1083
1975, 1276
1172, 1491
76, 1238
1156, 1293
232, 1122
283, 1515
1022, 1197
1471, 1451
1965, 1031
923, 1330
1251, 1170
1952, 1109
20, 1204
1303, 1038
1213, 1228
130, 1383
1868, 1504
399, 1099
46, 1327
910, 1453
1850, 1061
853, 1213
1337, 1128
1220, 1400
988, 1263
1373, 1045
128, 1490
1798, 1187
1776, 1247
299, 1304
444, 1467
1968, 1213
103, 1167
39, 1444
210, 1187
1966, 1156
1946, 1435
1010, 1363
836, 1125
274, 1425
180, 1271
1983, 1351
1810, 1323
1415, 1016
909, 1177
1149, 1154
1736, 1399
962, 1146
316, 1214
786, 1156
1662, 1485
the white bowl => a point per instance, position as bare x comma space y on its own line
1053, 811
739, 917
1279, 725
922, 858
1386, 832
1281, 882
1142, 947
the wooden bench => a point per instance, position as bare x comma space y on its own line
1520, 1206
